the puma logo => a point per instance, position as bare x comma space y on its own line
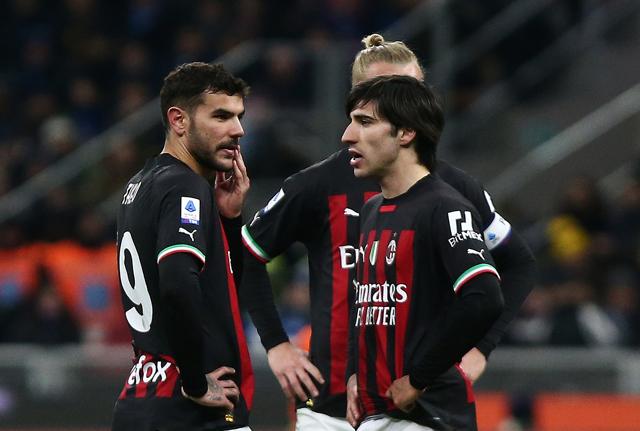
479, 253
186, 232
350, 213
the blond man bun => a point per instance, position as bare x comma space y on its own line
377, 50
373, 40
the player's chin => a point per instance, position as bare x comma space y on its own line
360, 173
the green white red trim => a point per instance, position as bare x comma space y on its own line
181, 248
473, 272
253, 246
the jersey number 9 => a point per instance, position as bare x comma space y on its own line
138, 293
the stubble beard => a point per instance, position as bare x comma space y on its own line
205, 155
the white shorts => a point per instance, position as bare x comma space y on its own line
241, 429
386, 423
308, 420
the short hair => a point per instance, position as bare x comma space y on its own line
377, 50
185, 85
406, 103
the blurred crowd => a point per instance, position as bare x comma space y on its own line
74, 67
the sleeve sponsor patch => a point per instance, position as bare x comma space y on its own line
497, 231
189, 210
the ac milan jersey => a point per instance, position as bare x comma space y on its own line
416, 252
320, 207
167, 209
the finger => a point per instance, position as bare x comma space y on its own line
227, 404
295, 385
313, 370
228, 384
233, 394
284, 384
222, 371
307, 382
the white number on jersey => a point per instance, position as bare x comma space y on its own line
138, 293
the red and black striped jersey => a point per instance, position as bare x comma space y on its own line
416, 252
168, 209
319, 207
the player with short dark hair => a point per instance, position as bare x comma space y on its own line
320, 207
426, 288
191, 368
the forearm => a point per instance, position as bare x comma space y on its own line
180, 289
256, 296
472, 313
517, 268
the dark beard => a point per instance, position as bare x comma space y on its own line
204, 155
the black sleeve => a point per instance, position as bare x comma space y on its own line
517, 268
232, 227
180, 286
284, 220
514, 260
471, 314
256, 296
453, 234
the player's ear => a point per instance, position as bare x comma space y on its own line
406, 136
178, 120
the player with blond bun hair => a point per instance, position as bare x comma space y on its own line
320, 207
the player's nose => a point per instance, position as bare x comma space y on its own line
236, 130
349, 135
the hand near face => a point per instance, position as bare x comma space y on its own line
231, 188
403, 394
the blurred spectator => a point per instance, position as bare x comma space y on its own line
43, 319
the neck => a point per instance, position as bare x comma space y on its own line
404, 173
177, 147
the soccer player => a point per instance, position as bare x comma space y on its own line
320, 207
191, 368
426, 288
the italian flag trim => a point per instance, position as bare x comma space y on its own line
473, 272
253, 246
181, 248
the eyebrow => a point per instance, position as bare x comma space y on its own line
361, 117
226, 113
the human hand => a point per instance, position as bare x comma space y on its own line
403, 394
473, 364
220, 393
293, 370
354, 410
231, 188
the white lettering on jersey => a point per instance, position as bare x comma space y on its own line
385, 296
189, 210
149, 372
130, 194
186, 232
461, 229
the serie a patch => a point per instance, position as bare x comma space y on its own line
189, 210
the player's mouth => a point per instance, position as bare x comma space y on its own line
356, 157
228, 150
